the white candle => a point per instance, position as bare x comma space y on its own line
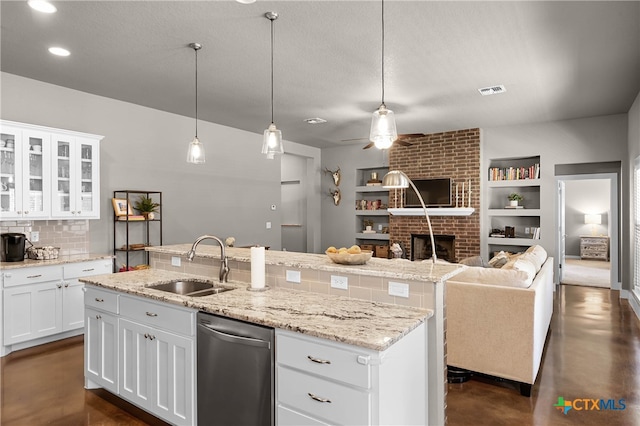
469, 191
456, 195
462, 203
257, 267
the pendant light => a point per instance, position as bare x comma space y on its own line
272, 138
383, 124
195, 155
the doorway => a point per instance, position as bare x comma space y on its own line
293, 196
588, 230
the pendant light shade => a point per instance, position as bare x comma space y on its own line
383, 124
195, 154
272, 138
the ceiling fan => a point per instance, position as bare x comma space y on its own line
402, 139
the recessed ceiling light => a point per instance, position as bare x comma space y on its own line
315, 120
59, 51
492, 90
42, 6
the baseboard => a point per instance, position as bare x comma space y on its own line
616, 286
634, 300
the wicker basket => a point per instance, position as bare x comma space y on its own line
43, 253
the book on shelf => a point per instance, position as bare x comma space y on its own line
131, 217
514, 173
535, 232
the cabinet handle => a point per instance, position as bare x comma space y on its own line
26, 212
66, 285
98, 316
59, 285
151, 314
99, 300
34, 276
318, 360
151, 337
88, 270
146, 335
317, 398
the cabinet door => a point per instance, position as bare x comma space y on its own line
133, 362
10, 173
36, 195
32, 311
63, 176
87, 190
100, 349
72, 305
173, 372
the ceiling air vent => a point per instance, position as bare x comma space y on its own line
492, 90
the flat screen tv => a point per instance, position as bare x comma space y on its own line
435, 193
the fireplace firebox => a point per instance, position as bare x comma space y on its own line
445, 247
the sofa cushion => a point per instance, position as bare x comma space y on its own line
524, 265
500, 277
473, 261
538, 255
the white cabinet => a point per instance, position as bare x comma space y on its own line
100, 350
323, 382
76, 182
48, 173
25, 173
156, 366
43, 301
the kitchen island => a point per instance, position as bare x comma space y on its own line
308, 307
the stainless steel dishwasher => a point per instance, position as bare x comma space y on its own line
235, 377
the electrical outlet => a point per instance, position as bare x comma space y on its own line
398, 289
35, 236
268, 225
293, 276
175, 261
339, 282
526, 230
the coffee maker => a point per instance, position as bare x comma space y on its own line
12, 247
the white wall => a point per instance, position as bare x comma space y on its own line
586, 140
585, 197
143, 148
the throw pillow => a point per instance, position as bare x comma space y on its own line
523, 265
499, 260
473, 261
491, 276
539, 252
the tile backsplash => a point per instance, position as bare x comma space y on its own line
71, 236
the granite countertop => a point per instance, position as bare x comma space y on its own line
362, 323
386, 268
72, 258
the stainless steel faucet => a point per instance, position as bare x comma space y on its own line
224, 265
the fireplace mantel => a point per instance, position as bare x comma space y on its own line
433, 211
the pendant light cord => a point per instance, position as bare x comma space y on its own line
272, 38
382, 52
196, 50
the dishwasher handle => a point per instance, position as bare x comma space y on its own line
231, 338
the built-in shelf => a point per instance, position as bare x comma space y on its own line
514, 182
434, 211
380, 212
525, 242
513, 212
376, 236
376, 188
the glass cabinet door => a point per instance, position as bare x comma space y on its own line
10, 174
87, 194
34, 195
62, 170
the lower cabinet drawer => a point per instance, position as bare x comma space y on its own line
287, 417
158, 315
329, 360
87, 269
31, 275
101, 299
310, 394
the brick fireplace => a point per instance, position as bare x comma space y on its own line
454, 155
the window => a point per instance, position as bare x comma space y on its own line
636, 225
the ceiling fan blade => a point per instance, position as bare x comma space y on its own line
410, 135
367, 146
356, 139
402, 142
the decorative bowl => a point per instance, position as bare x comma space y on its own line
43, 253
350, 259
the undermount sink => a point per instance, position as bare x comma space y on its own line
192, 288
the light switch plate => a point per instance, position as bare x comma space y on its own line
339, 282
35, 236
175, 261
293, 276
398, 289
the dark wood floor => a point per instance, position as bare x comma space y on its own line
593, 352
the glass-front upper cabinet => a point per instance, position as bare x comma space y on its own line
76, 183
25, 174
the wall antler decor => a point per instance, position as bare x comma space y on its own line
336, 175
336, 196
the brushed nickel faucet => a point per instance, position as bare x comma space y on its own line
224, 265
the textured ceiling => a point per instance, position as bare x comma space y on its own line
558, 60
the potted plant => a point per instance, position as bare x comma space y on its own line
146, 206
514, 198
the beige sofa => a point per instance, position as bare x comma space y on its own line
496, 325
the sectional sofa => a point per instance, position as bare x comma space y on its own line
498, 318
